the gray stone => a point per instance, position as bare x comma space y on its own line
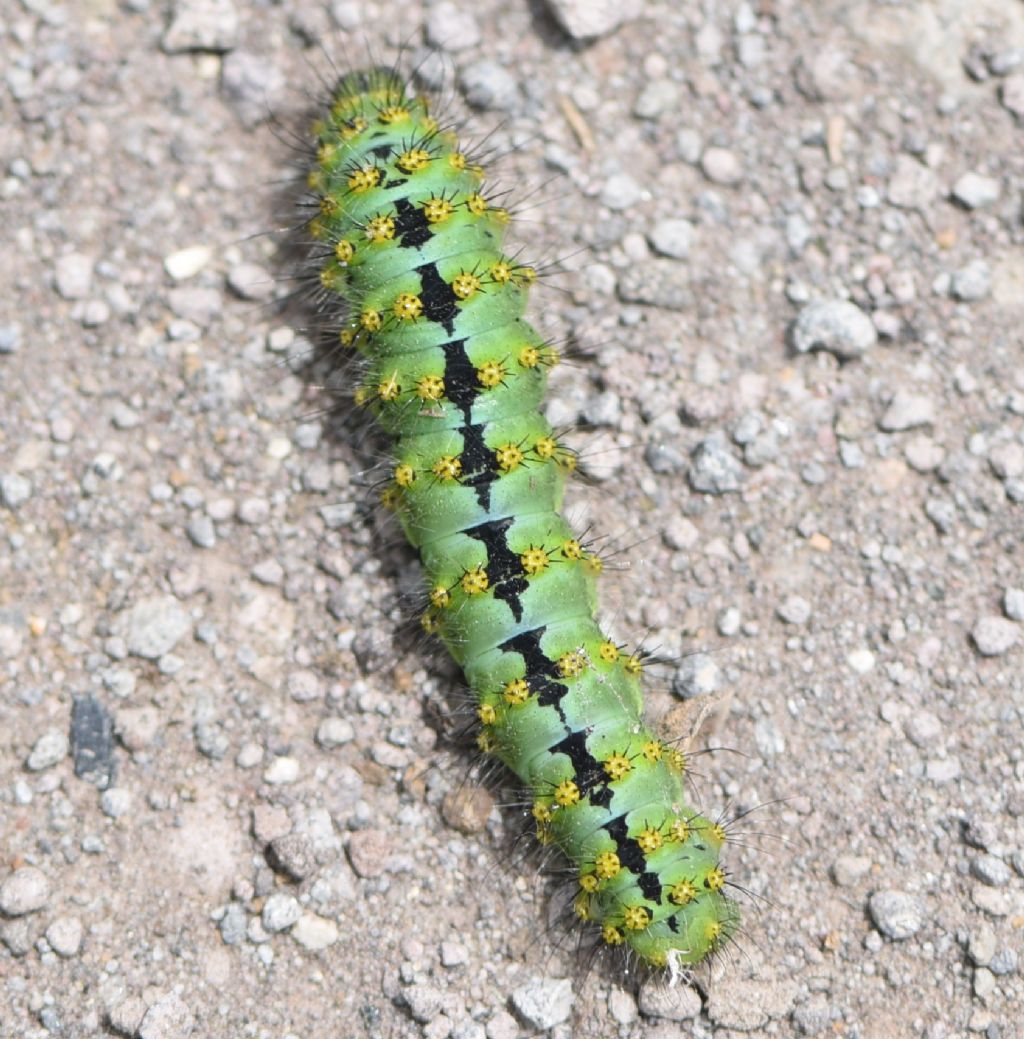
168, 1018
981, 945
1013, 603
488, 85
721, 166
334, 732
697, 675
233, 924
656, 98
10, 337
838, 326
912, 185
292, 854
251, 281
304, 686
907, 410
974, 191
1005, 961
65, 936
794, 609
126, 1016
813, 1017
1007, 460
993, 636
50, 749
280, 911
116, 802
73, 275
657, 283
714, 469
201, 25
923, 729
848, 870
15, 490
896, 914
201, 532
254, 85
991, 870
670, 1002
587, 19
543, 1003
452, 28
672, 238
25, 891
972, 282
155, 626
942, 513
620, 192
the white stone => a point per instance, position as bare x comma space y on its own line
281, 771
315, 932
25, 891
187, 262
50, 749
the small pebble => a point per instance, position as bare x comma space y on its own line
1013, 603
188, 262
10, 337
972, 282
334, 732
315, 933
292, 854
467, 808
155, 626
25, 891
201, 25
848, 870
201, 532
168, 1018
488, 85
369, 851
721, 166
73, 275
452, 28
15, 490
65, 936
974, 191
50, 749
697, 675
836, 326
116, 802
993, 636
670, 1002
280, 911
250, 281
991, 870
714, 469
907, 411
896, 915
672, 238
281, 771
587, 19
794, 609
543, 1003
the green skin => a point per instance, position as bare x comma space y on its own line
457, 377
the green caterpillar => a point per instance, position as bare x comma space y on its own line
456, 376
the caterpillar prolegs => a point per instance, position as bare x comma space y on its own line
455, 375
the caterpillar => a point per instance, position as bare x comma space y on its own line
409, 245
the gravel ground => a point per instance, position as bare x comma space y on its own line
791, 240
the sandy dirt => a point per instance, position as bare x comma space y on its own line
787, 243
